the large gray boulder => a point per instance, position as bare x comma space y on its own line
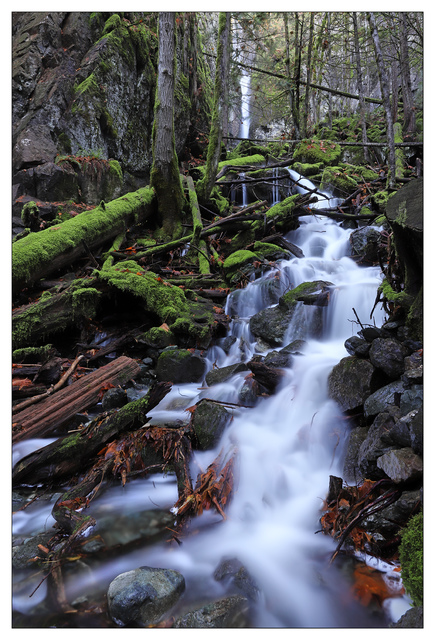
209, 421
388, 355
350, 382
143, 595
180, 365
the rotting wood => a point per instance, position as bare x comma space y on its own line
67, 455
55, 410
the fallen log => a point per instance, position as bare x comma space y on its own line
54, 411
40, 254
67, 455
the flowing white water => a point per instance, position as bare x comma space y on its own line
287, 446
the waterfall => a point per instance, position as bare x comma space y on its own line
287, 446
245, 86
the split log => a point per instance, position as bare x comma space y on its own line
67, 455
40, 254
56, 410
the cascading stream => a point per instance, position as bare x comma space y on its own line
287, 446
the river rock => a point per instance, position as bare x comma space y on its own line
349, 382
209, 421
215, 376
231, 612
388, 355
411, 619
388, 395
233, 572
357, 346
180, 365
366, 243
401, 465
351, 472
143, 595
411, 398
388, 522
278, 359
114, 398
271, 324
375, 445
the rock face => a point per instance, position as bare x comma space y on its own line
231, 612
143, 595
180, 365
83, 88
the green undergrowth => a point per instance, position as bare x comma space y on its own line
411, 558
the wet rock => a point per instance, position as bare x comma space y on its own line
278, 359
271, 324
231, 612
388, 355
180, 365
401, 465
249, 392
143, 595
215, 376
209, 422
295, 347
389, 395
411, 398
116, 529
114, 398
366, 243
24, 554
351, 472
311, 293
233, 572
388, 522
349, 382
371, 333
374, 446
357, 346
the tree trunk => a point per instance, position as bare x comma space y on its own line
385, 91
408, 101
360, 85
297, 78
220, 99
165, 175
307, 90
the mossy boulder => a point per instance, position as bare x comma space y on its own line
209, 421
239, 264
313, 151
180, 365
307, 169
335, 177
311, 293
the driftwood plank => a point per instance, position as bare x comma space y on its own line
54, 411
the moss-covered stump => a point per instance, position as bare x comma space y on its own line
314, 151
180, 365
42, 253
191, 319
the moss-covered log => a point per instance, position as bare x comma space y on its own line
54, 313
40, 254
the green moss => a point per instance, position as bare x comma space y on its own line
306, 169
238, 259
159, 337
411, 558
380, 199
339, 179
115, 168
29, 214
167, 301
112, 23
305, 290
35, 252
267, 249
32, 354
399, 154
313, 151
